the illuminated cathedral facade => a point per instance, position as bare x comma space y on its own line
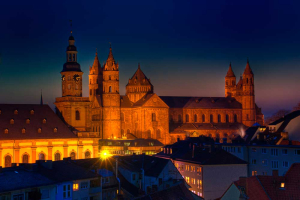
141, 113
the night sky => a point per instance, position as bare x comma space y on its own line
184, 47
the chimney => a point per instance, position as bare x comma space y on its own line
275, 173
257, 136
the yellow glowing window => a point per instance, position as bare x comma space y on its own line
282, 185
75, 186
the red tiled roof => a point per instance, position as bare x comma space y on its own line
41, 112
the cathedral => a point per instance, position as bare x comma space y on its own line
141, 113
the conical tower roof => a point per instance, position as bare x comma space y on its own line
230, 72
139, 78
110, 62
96, 68
240, 81
248, 70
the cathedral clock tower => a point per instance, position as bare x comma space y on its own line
71, 74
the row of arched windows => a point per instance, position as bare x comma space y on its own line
42, 156
211, 118
157, 134
153, 117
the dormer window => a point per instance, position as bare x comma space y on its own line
55, 130
6, 131
44, 121
16, 112
23, 130
12, 121
32, 112
39, 130
28, 121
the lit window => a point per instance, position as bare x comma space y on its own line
27, 121
75, 186
254, 173
39, 130
6, 131
55, 130
44, 121
282, 185
32, 112
23, 130
187, 179
12, 121
16, 112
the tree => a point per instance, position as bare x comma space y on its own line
279, 114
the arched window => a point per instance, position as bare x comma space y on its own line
28, 121
77, 115
23, 130
39, 130
179, 118
8, 161
6, 131
25, 158
211, 119
41, 156
69, 86
148, 134
12, 121
122, 117
158, 134
227, 118
187, 118
219, 118
73, 155
109, 77
44, 121
55, 130
32, 112
70, 57
195, 118
203, 118
153, 117
87, 154
235, 118
57, 156
109, 89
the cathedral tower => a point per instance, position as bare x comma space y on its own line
248, 103
71, 74
230, 81
95, 79
138, 86
111, 98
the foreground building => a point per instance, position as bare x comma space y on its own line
49, 180
272, 187
209, 170
31, 132
106, 114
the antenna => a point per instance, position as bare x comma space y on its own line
71, 25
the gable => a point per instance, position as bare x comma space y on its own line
154, 101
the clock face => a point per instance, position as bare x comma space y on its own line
76, 77
63, 78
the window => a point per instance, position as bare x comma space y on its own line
69, 86
187, 179
76, 87
16, 112
274, 152
77, 113
55, 130
254, 173
199, 170
264, 173
235, 118
193, 168
12, 121
87, 154
153, 117
193, 181
297, 152
8, 161
67, 191
274, 164
227, 119
285, 164
158, 134
195, 118
41, 156
73, 155
109, 89
6, 131
179, 118
84, 185
203, 118
44, 121
282, 185
75, 186
187, 167
45, 193
263, 150
239, 149
39, 130
57, 156
18, 197
219, 118
284, 151
133, 177
25, 158
73, 57
187, 118
264, 162
211, 119
253, 161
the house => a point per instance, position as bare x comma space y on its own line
266, 187
205, 167
49, 180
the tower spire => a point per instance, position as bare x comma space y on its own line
230, 72
248, 70
41, 102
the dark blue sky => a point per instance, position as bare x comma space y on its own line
184, 47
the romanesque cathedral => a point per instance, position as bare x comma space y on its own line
141, 113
